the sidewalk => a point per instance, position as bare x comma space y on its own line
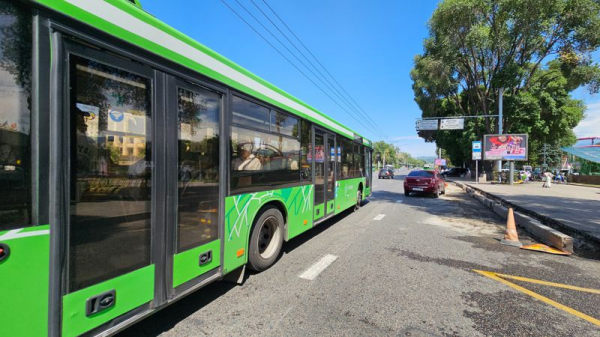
575, 207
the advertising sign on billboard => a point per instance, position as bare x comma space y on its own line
452, 124
440, 162
427, 124
505, 147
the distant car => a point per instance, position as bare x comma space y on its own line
424, 181
386, 173
455, 172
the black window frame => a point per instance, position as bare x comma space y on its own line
174, 83
74, 47
228, 153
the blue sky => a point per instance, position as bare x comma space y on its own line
368, 46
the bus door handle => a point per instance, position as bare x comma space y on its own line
4, 252
100, 302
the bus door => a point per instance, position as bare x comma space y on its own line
330, 172
324, 174
112, 249
194, 120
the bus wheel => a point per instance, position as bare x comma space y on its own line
266, 239
358, 200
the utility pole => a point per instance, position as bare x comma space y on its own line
500, 97
545, 153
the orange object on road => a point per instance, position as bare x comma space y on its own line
511, 237
545, 249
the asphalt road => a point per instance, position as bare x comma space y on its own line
408, 274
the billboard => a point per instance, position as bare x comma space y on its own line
505, 147
452, 124
440, 162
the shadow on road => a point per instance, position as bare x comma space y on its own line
167, 318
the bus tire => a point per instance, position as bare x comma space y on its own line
266, 239
358, 199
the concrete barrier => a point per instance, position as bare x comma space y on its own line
500, 210
539, 231
545, 234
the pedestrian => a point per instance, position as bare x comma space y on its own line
547, 180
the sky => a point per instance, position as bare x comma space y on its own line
368, 47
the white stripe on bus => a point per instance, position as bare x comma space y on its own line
15, 234
116, 16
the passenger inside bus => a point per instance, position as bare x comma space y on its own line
246, 160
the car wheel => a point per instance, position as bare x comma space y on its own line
444, 191
437, 193
266, 239
406, 193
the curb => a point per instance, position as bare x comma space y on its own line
584, 185
541, 232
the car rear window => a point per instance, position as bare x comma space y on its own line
421, 174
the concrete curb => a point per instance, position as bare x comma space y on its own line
545, 234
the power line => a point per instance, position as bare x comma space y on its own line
329, 85
373, 128
289, 61
319, 62
294, 55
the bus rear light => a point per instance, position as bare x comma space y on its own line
4, 252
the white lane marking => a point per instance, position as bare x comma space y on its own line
14, 234
110, 13
398, 201
316, 269
379, 217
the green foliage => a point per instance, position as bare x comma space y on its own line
539, 50
389, 154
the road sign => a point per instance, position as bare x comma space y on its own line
452, 124
427, 124
476, 147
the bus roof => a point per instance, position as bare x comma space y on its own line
129, 22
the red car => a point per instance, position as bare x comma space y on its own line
424, 182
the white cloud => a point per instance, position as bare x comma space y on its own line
590, 126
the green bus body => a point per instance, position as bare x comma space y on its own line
36, 297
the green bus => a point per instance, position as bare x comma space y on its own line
137, 166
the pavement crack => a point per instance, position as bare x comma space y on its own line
453, 263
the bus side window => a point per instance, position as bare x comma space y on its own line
15, 116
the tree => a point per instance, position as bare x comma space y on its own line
386, 151
538, 50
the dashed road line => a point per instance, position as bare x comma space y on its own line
379, 217
316, 269
398, 201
